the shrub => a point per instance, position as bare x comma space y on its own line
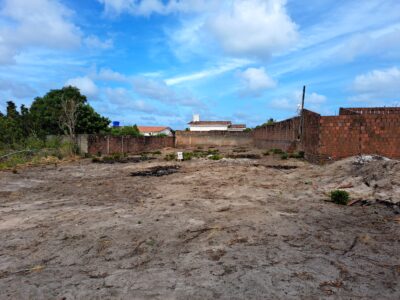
212, 151
266, 153
187, 155
340, 197
284, 156
215, 157
276, 151
298, 155
170, 156
156, 153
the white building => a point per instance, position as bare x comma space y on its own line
197, 125
155, 130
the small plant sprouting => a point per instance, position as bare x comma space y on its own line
340, 197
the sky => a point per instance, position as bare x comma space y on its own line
158, 62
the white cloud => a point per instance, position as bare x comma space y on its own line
378, 80
110, 75
255, 28
222, 68
122, 98
94, 42
38, 23
149, 7
292, 102
160, 91
255, 81
84, 84
377, 86
244, 28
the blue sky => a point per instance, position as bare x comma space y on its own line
156, 62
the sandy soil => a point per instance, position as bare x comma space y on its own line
229, 229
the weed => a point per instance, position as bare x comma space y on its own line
187, 155
284, 155
297, 155
170, 156
340, 197
276, 151
215, 156
266, 153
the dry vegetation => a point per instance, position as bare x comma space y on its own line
231, 228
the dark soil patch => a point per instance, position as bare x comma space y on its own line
282, 167
157, 171
112, 160
244, 155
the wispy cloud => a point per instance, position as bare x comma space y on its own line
223, 68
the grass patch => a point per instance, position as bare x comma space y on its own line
170, 156
298, 155
215, 156
276, 151
284, 156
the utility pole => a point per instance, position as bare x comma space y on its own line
301, 128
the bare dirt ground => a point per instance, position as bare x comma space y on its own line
228, 229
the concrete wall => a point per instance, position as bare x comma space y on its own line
281, 135
112, 144
212, 138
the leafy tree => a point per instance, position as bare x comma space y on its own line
47, 111
12, 112
270, 121
126, 130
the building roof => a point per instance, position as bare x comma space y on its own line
149, 129
238, 126
210, 123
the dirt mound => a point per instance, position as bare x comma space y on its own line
369, 177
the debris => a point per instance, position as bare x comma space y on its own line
121, 159
281, 167
157, 171
248, 156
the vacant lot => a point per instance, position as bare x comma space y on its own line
229, 229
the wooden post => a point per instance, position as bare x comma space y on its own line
302, 114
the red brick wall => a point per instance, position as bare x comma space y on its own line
347, 135
112, 144
213, 138
311, 135
339, 136
369, 110
281, 135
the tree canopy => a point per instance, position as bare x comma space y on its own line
45, 115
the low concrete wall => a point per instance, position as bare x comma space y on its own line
213, 138
126, 144
281, 135
81, 140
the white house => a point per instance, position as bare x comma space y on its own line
197, 125
155, 130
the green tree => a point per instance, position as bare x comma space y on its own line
47, 111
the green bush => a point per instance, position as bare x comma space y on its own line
125, 130
170, 156
212, 151
187, 155
215, 157
276, 151
284, 156
340, 197
297, 155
